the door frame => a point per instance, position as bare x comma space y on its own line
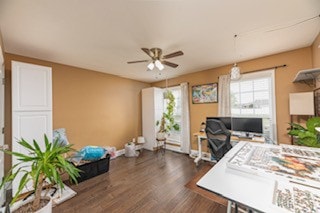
2, 75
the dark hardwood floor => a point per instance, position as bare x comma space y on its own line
149, 183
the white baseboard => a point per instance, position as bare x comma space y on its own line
193, 153
120, 152
174, 148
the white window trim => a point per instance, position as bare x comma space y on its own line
261, 74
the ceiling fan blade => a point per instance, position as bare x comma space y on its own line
132, 62
170, 64
147, 51
171, 55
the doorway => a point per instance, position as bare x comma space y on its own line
1, 124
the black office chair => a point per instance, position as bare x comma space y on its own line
218, 137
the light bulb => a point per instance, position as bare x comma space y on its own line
159, 65
150, 66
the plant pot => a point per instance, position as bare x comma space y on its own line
45, 209
161, 135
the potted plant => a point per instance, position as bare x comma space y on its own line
167, 122
40, 167
308, 136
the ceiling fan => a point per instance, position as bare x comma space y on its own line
157, 59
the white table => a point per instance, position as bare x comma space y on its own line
253, 191
201, 136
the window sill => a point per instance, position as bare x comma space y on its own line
171, 141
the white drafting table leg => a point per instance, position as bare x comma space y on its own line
199, 151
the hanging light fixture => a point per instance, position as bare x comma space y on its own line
235, 70
157, 64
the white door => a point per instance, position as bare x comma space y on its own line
1, 123
31, 106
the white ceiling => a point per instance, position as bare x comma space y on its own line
103, 35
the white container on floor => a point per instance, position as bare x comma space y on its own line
130, 150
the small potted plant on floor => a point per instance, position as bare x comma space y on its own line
308, 136
42, 168
167, 122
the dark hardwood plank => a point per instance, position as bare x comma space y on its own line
151, 182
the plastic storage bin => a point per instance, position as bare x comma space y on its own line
94, 168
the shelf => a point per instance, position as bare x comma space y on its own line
305, 76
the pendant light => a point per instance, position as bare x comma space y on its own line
235, 70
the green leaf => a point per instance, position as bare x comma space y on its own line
176, 127
294, 132
312, 123
307, 134
297, 126
25, 144
23, 182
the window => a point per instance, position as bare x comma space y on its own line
175, 136
253, 96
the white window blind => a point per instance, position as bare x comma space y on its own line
253, 96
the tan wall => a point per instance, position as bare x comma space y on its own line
316, 53
295, 61
95, 108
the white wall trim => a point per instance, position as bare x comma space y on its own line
173, 148
120, 152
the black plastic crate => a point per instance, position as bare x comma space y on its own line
94, 168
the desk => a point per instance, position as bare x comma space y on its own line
254, 191
202, 136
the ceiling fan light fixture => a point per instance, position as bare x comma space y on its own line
159, 65
157, 59
150, 66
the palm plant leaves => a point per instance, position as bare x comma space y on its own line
47, 164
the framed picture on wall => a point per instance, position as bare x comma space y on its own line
205, 93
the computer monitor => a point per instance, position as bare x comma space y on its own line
248, 125
225, 120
